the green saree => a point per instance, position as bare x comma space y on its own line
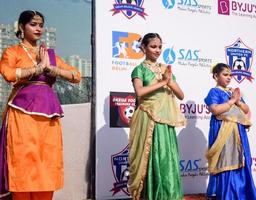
153, 149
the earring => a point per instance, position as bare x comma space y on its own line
22, 35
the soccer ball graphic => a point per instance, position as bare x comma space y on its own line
136, 46
239, 64
128, 112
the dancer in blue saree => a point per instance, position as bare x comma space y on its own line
229, 156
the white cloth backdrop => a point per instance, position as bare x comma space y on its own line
195, 35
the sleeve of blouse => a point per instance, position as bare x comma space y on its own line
173, 77
242, 99
61, 64
137, 73
7, 65
212, 97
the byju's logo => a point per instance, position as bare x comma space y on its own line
168, 4
169, 56
239, 58
126, 45
223, 7
129, 8
120, 166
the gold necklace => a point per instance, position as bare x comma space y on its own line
29, 55
225, 89
34, 49
155, 68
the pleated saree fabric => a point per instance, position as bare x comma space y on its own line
154, 172
33, 143
229, 155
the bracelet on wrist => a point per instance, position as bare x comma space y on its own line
38, 70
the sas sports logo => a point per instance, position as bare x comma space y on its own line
129, 8
190, 6
119, 163
169, 56
239, 58
168, 4
126, 45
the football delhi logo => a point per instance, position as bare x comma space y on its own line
125, 45
129, 8
239, 58
120, 166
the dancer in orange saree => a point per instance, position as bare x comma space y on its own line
31, 135
154, 171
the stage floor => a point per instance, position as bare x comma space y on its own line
195, 196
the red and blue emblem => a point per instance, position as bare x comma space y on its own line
129, 8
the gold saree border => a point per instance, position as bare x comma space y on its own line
163, 121
152, 118
228, 126
10, 98
232, 167
136, 194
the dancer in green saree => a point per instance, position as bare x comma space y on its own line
154, 172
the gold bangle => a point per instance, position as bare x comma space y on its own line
38, 70
18, 74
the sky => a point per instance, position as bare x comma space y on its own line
71, 18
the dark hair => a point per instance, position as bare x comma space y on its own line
25, 17
148, 37
218, 68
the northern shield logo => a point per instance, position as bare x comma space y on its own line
239, 58
120, 166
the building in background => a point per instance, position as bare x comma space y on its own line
8, 37
83, 65
49, 37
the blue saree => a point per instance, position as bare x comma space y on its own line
235, 183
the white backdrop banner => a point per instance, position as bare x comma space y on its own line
196, 34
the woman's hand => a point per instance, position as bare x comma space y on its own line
173, 85
166, 78
235, 99
53, 71
43, 57
236, 95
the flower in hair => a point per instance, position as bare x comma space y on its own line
212, 67
16, 26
